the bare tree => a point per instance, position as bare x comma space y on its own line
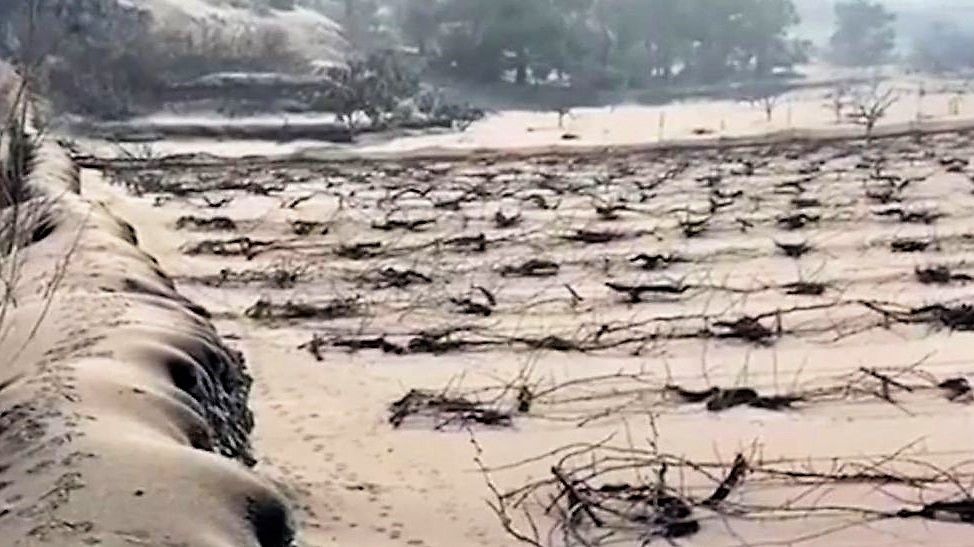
871, 105
838, 99
562, 112
921, 94
768, 99
957, 99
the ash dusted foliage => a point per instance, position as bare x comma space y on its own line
608, 43
381, 90
109, 59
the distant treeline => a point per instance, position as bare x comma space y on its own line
604, 43
109, 59
650, 44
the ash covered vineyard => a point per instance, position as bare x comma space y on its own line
721, 294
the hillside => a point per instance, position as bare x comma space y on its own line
309, 31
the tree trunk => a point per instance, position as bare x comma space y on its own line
761, 66
522, 74
521, 77
666, 64
605, 56
351, 22
652, 59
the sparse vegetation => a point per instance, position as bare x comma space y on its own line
380, 90
15, 217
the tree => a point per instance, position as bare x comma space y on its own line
418, 22
604, 42
84, 53
360, 19
764, 36
943, 47
701, 41
639, 38
767, 97
370, 87
838, 99
870, 105
864, 34
484, 39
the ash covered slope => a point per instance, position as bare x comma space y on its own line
313, 34
123, 417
